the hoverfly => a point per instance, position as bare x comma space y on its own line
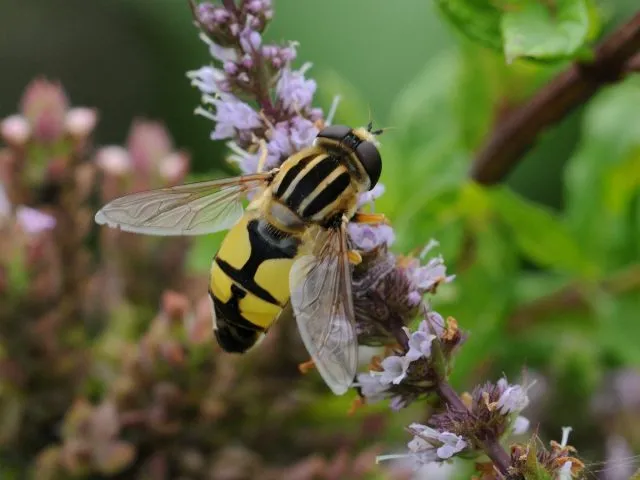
287, 252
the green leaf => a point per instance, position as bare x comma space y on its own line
540, 234
619, 327
545, 30
477, 19
601, 178
622, 183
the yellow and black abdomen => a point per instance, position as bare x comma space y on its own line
249, 282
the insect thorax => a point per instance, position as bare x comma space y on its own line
312, 187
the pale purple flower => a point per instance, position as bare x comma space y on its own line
513, 399
293, 90
371, 195
398, 402
302, 133
434, 323
371, 387
394, 370
247, 162
280, 141
425, 277
446, 444
207, 79
368, 237
211, 16
419, 342
232, 116
429, 445
220, 53
250, 40
33, 221
520, 425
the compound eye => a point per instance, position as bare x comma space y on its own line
335, 132
369, 156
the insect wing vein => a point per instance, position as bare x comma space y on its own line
321, 299
192, 209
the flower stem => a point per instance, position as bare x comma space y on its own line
449, 395
230, 5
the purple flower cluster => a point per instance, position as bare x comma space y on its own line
409, 373
244, 67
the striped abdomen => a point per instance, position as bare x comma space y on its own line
249, 282
315, 185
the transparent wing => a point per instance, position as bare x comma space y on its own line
192, 209
320, 283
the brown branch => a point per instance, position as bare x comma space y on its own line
517, 132
633, 65
573, 297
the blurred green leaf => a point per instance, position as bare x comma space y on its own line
601, 177
619, 328
622, 183
17, 274
477, 19
544, 30
479, 93
486, 292
351, 105
540, 234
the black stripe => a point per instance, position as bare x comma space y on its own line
328, 195
249, 283
262, 249
233, 332
291, 174
310, 181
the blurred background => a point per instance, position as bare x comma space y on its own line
548, 275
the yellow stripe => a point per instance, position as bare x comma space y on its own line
257, 311
350, 155
236, 247
345, 202
273, 276
292, 161
220, 284
302, 173
339, 170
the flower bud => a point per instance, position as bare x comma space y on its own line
15, 130
45, 104
80, 121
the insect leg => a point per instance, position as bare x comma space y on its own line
305, 367
263, 156
369, 218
